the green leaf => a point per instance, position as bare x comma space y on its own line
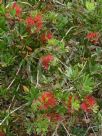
90, 5
72, 72
35, 105
59, 94
75, 104
32, 94
2, 10
7, 59
13, 12
52, 16
2, 22
69, 72
42, 125
61, 109
85, 84
55, 42
2, 44
95, 108
3, 91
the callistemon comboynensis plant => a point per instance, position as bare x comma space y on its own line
50, 80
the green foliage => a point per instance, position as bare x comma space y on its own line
62, 22
2, 22
2, 10
85, 85
32, 94
7, 59
77, 131
75, 104
42, 126
90, 5
55, 42
13, 13
3, 92
51, 16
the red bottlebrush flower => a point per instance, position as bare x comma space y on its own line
49, 35
93, 37
85, 107
46, 36
30, 21
17, 8
38, 22
91, 100
54, 117
45, 61
57, 117
88, 103
47, 100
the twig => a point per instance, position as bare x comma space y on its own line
55, 132
97, 85
68, 32
68, 134
13, 98
55, 1
93, 131
11, 113
26, 3
30, 73
90, 127
62, 63
81, 71
15, 75
37, 80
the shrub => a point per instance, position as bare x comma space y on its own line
50, 68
